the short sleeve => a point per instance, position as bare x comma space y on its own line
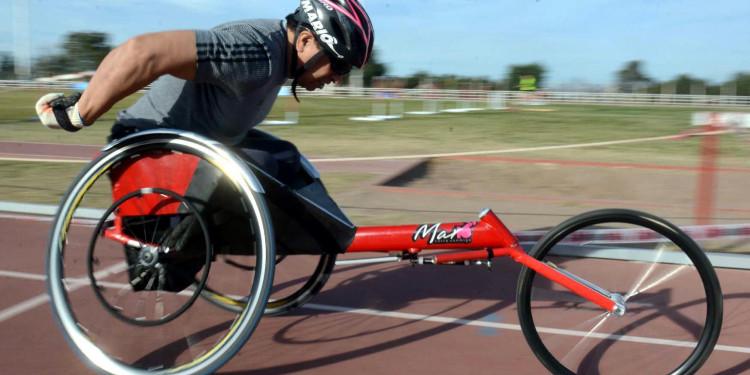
233, 58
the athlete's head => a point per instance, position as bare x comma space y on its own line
344, 39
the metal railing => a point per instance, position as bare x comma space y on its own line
514, 97
546, 97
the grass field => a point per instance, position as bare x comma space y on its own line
326, 130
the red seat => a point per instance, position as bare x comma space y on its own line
156, 169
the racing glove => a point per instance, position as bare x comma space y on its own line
59, 112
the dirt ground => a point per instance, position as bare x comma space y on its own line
526, 193
628, 184
530, 194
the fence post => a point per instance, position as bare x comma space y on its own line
707, 173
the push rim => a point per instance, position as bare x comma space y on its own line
59, 286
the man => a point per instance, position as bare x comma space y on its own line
221, 82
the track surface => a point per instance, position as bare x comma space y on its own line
325, 336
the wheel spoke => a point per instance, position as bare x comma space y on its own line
668, 314
137, 305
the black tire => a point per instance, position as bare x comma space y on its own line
293, 292
670, 289
199, 339
292, 287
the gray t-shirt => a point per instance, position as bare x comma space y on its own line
240, 71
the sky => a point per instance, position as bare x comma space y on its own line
577, 41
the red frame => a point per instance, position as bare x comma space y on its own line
484, 239
168, 170
487, 238
476, 240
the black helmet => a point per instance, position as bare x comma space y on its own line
341, 27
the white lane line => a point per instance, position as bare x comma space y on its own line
23, 275
41, 299
45, 160
515, 327
42, 219
78, 283
422, 156
514, 150
23, 307
43, 156
72, 145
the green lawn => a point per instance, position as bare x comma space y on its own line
326, 130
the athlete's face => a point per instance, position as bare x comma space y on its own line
321, 72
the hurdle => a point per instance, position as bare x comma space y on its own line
466, 99
387, 105
382, 111
462, 106
429, 107
291, 110
496, 101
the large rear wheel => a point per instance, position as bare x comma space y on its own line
123, 278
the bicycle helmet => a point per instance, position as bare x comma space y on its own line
341, 27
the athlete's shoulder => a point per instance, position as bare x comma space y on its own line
257, 25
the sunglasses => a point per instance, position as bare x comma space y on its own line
339, 67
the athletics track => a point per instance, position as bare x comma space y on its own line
448, 319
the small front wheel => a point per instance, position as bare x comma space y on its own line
671, 292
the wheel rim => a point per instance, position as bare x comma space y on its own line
670, 296
220, 335
297, 279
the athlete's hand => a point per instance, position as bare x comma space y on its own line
59, 112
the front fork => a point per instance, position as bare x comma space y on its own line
612, 302
619, 302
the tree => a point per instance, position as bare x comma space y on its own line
373, 69
515, 72
742, 80
416, 79
86, 49
684, 84
7, 68
631, 78
82, 51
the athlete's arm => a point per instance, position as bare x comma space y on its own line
133, 65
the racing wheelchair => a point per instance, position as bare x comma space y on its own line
168, 248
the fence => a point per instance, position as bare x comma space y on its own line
485, 96
41, 85
545, 96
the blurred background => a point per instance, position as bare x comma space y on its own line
539, 109
671, 47
533, 86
